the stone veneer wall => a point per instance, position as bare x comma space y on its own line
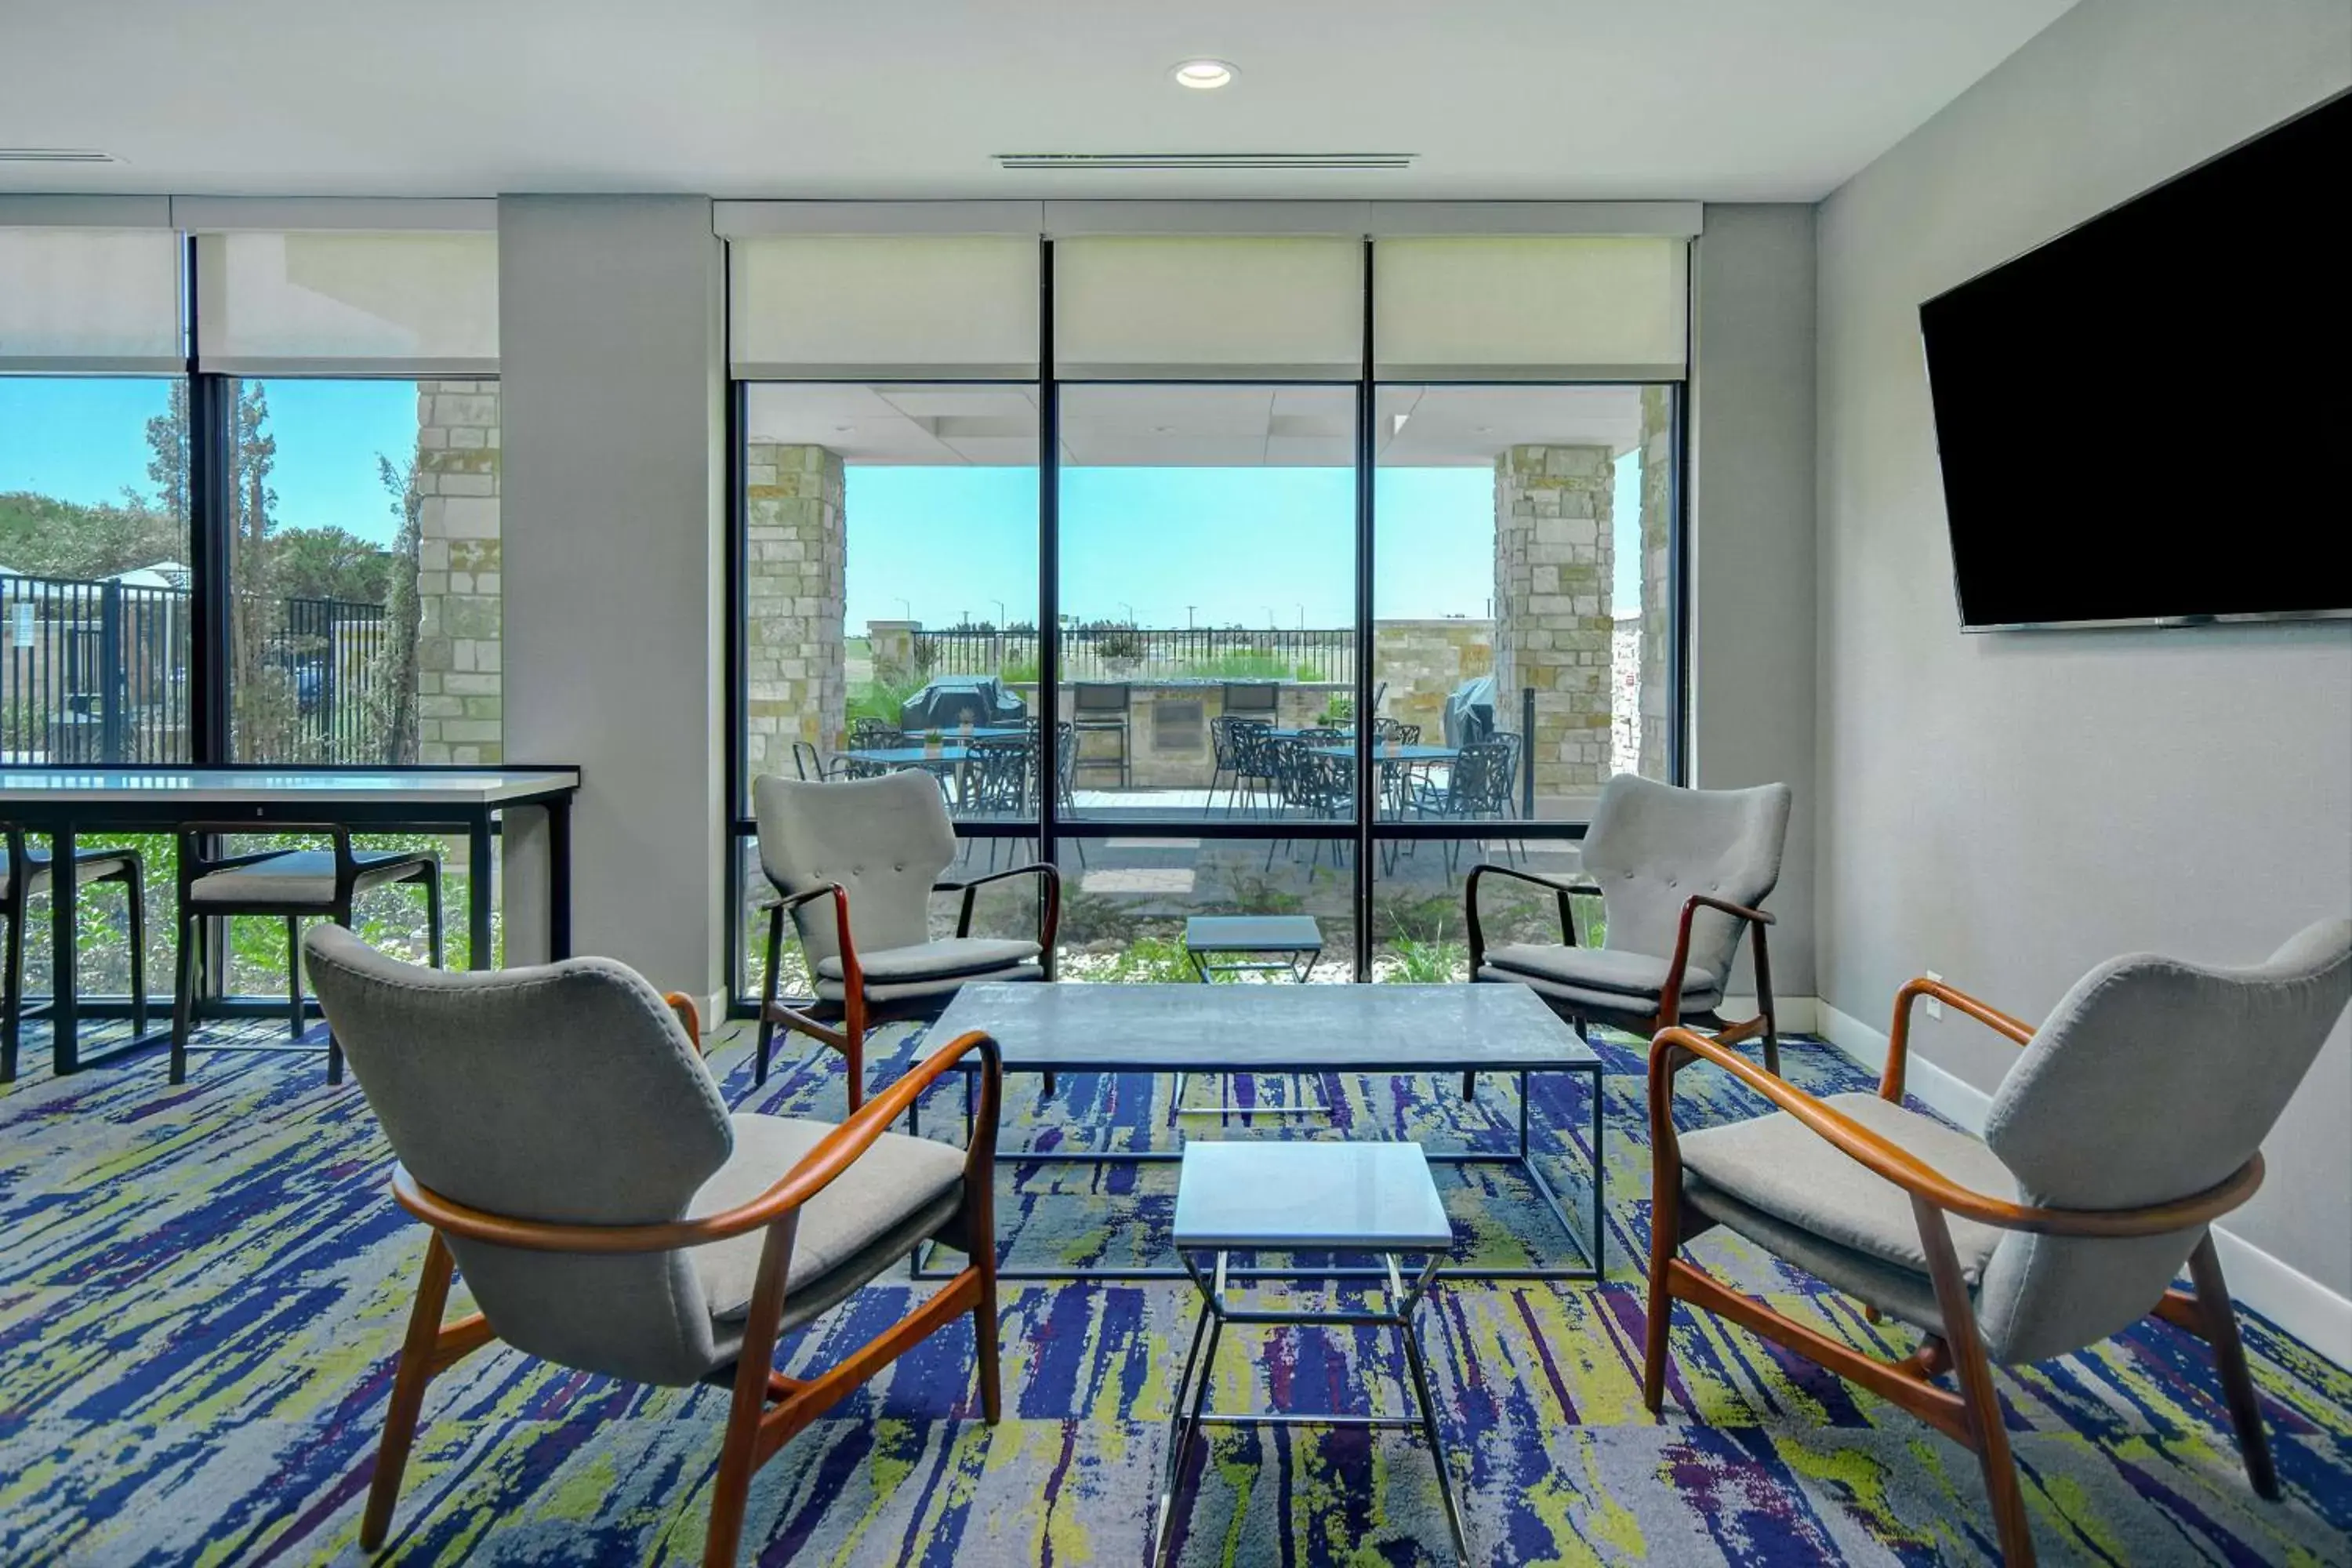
795, 684
1553, 560
1655, 693
1421, 661
461, 704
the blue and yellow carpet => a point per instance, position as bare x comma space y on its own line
202, 1289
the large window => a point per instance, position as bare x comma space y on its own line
1251, 712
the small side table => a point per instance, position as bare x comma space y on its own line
1259, 1196
1250, 945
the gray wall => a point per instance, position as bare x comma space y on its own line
2010, 809
1751, 547
613, 488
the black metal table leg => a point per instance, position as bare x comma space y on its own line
64, 991
559, 876
478, 893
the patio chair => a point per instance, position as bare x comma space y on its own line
2134, 1119
1230, 740
1100, 707
811, 765
1478, 788
295, 884
26, 871
998, 780
875, 735
1679, 872
855, 865
557, 1130
1317, 787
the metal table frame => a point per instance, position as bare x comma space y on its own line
63, 817
1216, 1312
1591, 1245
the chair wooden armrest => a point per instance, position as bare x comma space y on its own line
1914, 1175
689, 1017
1898, 1035
1670, 996
1562, 891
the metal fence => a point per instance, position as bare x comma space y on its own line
96, 672
1134, 653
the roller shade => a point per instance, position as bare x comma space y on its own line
1208, 308
1525, 307
104, 301
400, 304
931, 307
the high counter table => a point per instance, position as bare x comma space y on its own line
534, 803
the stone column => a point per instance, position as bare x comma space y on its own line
461, 704
794, 682
1552, 625
1657, 693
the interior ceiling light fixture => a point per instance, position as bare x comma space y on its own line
1203, 74
54, 155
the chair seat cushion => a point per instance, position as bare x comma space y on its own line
946, 957
1609, 1005
900, 1186
1780, 1167
941, 987
301, 877
1635, 975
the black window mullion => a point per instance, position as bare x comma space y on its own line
1049, 571
1367, 642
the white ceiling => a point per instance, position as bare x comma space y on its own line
1707, 100
1191, 426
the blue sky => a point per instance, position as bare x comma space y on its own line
1246, 545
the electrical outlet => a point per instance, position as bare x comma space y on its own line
1934, 1009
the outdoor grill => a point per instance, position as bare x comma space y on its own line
948, 702
1470, 711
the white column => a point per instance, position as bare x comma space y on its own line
614, 521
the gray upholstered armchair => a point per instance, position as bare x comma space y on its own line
854, 863
1679, 873
2135, 1118
557, 1130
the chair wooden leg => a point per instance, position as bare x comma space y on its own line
2220, 1326
417, 1353
343, 918
1665, 1235
739, 1453
1981, 1401
432, 933
767, 996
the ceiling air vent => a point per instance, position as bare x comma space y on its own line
1058, 163
54, 155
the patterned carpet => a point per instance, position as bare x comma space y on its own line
202, 1288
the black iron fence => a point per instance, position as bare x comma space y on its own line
1143, 653
96, 672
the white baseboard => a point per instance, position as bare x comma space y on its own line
1790, 1015
2277, 1290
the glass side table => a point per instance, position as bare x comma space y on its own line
1259, 1196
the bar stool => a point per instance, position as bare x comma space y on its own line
292, 883
1102, 705
24, 873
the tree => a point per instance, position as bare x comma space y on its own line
167, 455
392, 693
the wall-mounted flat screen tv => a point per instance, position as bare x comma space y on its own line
2146, 419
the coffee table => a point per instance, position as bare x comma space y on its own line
1341, 1028
1250, 1195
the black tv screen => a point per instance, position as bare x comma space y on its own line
2145, 420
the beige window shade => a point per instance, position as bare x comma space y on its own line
90, 299
930, 307
1530, 308
349, 303
1208, 308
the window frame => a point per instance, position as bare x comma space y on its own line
1368, 832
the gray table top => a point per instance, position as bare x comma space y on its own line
1252, 933
1394, 752
1191, 1027
949, 752
1251, 1194
390, 787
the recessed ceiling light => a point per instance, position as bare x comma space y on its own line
1203, 75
